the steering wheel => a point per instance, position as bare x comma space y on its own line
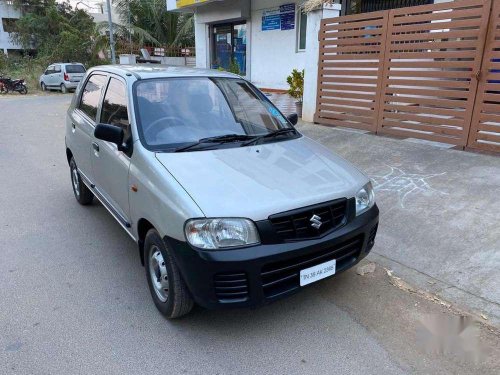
172, 121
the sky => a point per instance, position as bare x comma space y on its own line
93, 4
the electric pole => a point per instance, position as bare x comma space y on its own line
111, 39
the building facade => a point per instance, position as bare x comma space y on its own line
244, 34
8, 15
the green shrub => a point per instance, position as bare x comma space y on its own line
296, 83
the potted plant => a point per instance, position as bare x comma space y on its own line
296, 83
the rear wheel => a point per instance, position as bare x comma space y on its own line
64, 90
169, 292
82, 193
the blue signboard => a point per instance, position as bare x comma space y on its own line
287, 21
280, 18
271, 22
287, 8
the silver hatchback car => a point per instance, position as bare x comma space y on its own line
230, 205
62, 76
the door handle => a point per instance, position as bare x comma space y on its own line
95, 146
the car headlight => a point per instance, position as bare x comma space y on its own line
365, 199
221, 233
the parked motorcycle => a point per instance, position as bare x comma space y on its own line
7, 84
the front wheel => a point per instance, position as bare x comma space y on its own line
23, 90
82, 193
43, 86
169, 292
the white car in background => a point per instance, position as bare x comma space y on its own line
62, 76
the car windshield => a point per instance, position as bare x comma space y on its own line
175, 112
75, 68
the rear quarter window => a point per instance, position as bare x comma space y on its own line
75, 68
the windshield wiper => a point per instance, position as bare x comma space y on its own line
269, 135
227, 138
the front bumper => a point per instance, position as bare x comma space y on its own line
257, 275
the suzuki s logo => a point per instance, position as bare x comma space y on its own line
316, 221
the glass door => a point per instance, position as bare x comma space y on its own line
229, 49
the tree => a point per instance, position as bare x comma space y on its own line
149, 21
56, 31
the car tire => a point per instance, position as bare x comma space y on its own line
169, 292
43, 86
64, 90
82, 193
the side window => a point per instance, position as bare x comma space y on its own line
57, 69
50, 70
114, 106
91, 95
302, 31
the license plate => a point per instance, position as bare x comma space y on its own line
312, 274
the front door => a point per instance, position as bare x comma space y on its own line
229, 47
110, 167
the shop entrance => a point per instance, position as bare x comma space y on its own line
229, 47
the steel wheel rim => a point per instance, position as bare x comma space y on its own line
158, 273
76, 181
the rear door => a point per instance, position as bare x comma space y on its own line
83, 120
110, 167
75, 72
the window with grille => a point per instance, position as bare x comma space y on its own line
363, 6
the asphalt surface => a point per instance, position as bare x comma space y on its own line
74, 297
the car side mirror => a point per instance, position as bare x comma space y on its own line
110, 133
293, 118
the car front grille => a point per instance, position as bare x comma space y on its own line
231, 287
284, 276
299, 224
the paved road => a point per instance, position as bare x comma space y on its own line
74, 298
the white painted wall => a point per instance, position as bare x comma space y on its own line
202, 43
273, 53
7, 11
311, 68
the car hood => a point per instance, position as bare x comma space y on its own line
258, 181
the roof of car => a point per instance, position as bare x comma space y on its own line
67, 63
145, 71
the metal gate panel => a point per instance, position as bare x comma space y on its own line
350, 66
432, 61
485, 128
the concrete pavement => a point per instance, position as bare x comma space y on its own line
440, 213
74, 298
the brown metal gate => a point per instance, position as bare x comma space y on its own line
414, 72
485, 128
350, 68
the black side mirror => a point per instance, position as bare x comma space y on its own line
110, 133
293, 118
